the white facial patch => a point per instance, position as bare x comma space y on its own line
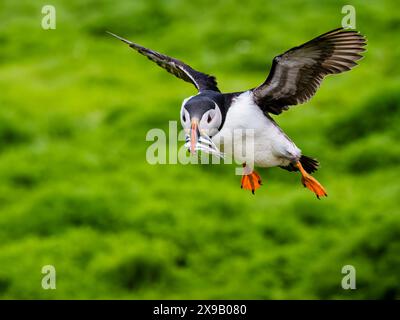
184, 115
210, 121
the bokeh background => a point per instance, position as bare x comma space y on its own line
76, 191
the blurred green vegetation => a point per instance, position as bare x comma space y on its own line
76, 190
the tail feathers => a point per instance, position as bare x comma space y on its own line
309, 164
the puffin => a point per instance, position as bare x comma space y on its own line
211, 119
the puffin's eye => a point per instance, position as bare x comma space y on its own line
183, 118
209, 118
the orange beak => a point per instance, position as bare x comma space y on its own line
194, 135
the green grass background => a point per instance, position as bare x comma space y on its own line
76, 191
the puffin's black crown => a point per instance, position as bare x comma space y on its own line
201, 103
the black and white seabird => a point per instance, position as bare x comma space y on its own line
211, 117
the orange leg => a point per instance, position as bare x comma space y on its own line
251, 181
311, 183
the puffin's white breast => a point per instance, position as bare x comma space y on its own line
251, 137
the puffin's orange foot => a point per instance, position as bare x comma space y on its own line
251, 181
311, 183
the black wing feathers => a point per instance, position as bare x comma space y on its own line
179, 69
296, 75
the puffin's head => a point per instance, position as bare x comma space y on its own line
201, 118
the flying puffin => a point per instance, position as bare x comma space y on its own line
210, 117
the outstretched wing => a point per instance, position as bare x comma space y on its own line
179, 69
296, 75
